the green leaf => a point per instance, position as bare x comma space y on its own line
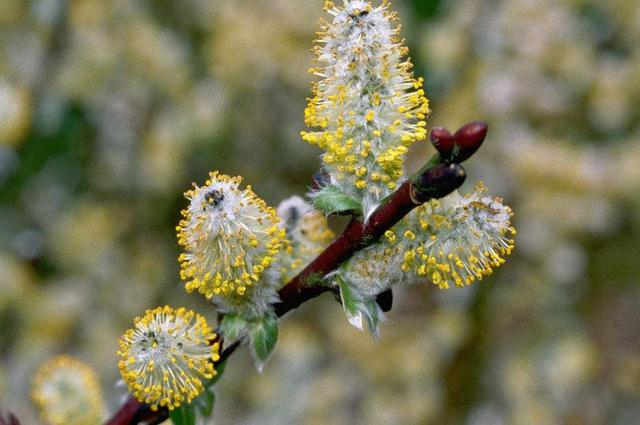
233, 327
205, 402
371, 312
183, 415
350, 301
263, 334
330, 200
358, 309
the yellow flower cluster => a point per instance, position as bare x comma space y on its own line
451, 241
455, 240
230, 237
164, 358
66, 392
367, 107
374, 269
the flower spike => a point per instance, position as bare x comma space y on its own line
231, 239
367, 108
455, 240
451, 242
67, 392
166, 355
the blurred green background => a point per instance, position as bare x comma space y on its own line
110, 109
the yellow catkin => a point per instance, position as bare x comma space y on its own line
67, 392
230, 237
457, 240
449, 242
367, 107
166, 357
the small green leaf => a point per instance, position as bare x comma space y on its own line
357, 308
183, 415
263, 334
371, 312
332, 200
205, 402
350, 302
233, 327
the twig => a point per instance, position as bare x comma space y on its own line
441, 180
436, 179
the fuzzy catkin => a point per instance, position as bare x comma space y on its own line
67, 392
367, 107
450, 242
167, 355
231, 240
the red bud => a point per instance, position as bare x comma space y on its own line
468, 139
442, 140
437, 182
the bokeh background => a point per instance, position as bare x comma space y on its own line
110, 109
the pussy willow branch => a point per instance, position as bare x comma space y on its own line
436, 179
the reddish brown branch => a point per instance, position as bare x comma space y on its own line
128, 413
436, 179
440, 181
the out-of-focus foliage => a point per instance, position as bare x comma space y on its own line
109, 109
